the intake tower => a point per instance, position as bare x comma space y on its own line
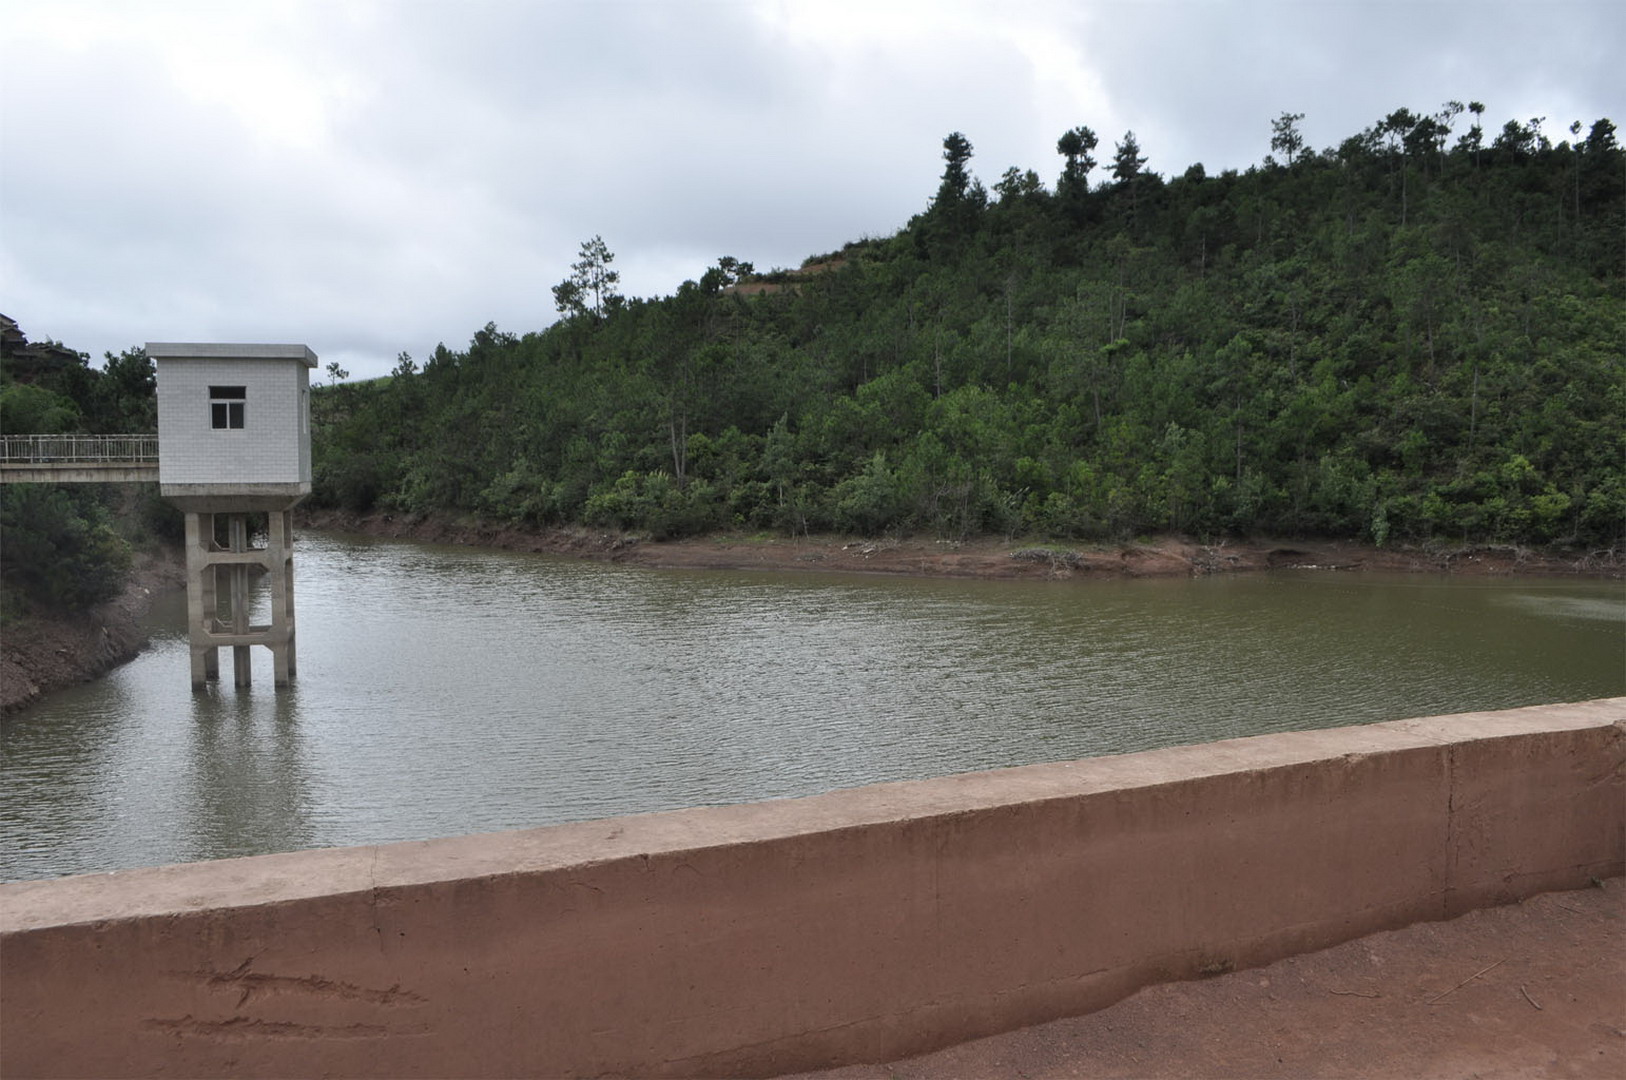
235, 444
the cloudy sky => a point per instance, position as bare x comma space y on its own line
372, 176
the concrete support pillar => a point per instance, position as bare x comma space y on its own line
280, 558
210, 587
237, 541
211, 557
200, 598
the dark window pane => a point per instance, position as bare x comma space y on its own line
217, 414
235, 418
237, 392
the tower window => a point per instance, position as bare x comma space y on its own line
226, 406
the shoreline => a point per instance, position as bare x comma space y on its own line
983, 558
42, 654
45, 653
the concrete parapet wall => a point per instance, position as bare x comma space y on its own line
861, 925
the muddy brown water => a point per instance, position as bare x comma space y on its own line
453, 690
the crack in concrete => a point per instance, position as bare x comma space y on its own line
1449, 862
242, 1027
372, 884
254, 983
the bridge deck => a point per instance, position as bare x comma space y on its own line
78, 459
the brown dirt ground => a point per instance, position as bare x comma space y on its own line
980, 558
1536, 989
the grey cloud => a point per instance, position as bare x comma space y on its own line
471, 147
1209, 77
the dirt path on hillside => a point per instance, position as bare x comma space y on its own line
1536, 989
992, 558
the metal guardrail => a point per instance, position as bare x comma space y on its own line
17, 450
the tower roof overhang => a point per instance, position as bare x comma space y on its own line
206, 350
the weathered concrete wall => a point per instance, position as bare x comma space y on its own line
865, 924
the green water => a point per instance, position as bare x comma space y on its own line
448, 690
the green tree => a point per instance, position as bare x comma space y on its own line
1076, 147
1285, 138
1017, 185
960, 199
34, 410
1127, 161
590, 289
126, 398
62, 553
956, 183
1474, 140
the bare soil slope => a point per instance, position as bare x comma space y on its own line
979, 558
39, 654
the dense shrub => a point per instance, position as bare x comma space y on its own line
61, 550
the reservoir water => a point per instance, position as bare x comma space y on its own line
452, 690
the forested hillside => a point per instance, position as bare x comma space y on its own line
1417, 334
66, 547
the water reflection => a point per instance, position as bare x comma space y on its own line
444, 690
246, 788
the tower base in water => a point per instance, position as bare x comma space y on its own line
220, 550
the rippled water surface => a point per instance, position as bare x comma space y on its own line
448, 690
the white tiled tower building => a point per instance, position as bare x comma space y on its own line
234, 442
